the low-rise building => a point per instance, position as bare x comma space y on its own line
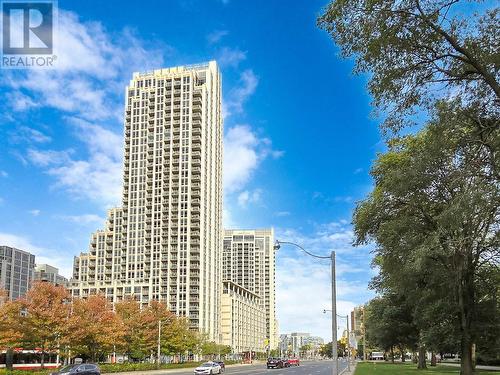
243, 319
48, 273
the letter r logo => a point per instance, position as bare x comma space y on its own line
27, 28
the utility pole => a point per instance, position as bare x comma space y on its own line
334, 319
348, 345
159, 343
364, 335
334, 298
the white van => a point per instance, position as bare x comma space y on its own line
377, 356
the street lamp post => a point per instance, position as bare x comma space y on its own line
348, 345
158, 349
334, 298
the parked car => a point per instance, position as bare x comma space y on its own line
294, 361
80, 369
208, 368
222, 365
274, 363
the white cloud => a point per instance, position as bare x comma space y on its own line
87, 88
231, 57
238, 95
42, 255
306, 279
216, 36
20, 101
91, 67
30, 135
4, 174
358, 170
249, 197
241, 156
35, 212
282, 213
99, 177
243, 151
44, 158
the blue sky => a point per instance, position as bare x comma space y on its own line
299, 140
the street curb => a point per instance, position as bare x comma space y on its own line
345, 372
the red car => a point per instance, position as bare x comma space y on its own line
294, 361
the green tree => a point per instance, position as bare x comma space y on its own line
434, 217
326, 350
390, 323
420, 51
304, 349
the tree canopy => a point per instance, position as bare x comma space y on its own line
420, 51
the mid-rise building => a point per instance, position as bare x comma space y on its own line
164, 242
16, 271
48, 273
243, 319
249, 261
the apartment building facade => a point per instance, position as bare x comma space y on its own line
243, 319
248, 260
16, 271
164, 242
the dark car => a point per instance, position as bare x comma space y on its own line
274, 363
81, 369
285, 362
222, 365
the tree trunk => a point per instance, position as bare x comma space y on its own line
9, 359
392, 354
42, 361
466, 367
403, 356
414, 358
466, 302
421, 358
433, 359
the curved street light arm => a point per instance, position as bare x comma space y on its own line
278, 245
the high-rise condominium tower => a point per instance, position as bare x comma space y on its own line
165, 241
249, 261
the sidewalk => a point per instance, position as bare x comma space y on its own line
479, 367
347, 372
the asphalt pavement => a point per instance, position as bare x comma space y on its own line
305, 368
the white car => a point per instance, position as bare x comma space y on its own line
208, 368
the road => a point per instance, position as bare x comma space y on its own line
305, 368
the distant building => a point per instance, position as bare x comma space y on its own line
48, 273
16, 271
357, 322
243, 319
291, 344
